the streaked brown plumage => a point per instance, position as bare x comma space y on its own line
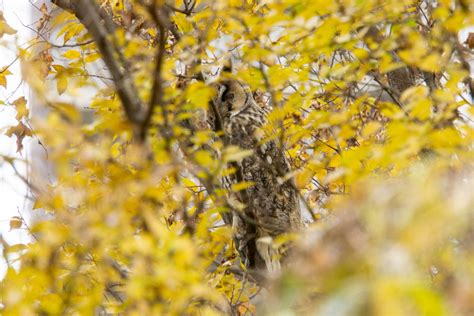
272, 206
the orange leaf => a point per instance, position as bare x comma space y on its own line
20, 131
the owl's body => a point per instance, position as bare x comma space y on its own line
272, 206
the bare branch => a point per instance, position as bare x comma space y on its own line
188, 10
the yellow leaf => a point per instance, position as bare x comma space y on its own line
38, 204
303, 178
421, 109
51, 303
3, 81
91, 57
68, 111
59, 68
228, 171
21, 109
414, 93
371, 128
4, 27
360, 53
234, 153
430, 63
15, 222
72, 54
386, 64
116, 150
190, 184
201, 137
5, 71
57, 202
61, 17
72, 31
198, 94
61, 83
117, 5
242, 185
203, 158
16, 248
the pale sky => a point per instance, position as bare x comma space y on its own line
12, 189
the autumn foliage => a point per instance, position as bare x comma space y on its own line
371, 100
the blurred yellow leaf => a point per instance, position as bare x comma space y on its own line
242, 185
72, 54
371, 129
21, 108
15, 222
234, 153
4, 27
62, 84
3, 81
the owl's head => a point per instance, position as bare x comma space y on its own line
232, 96
234, 102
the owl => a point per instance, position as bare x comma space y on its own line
270, 203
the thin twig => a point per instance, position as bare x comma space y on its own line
157, 88
26, 224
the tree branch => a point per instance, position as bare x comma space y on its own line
157, 88
101, 28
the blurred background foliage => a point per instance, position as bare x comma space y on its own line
398, 246
371, 99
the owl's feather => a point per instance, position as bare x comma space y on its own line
272, 206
